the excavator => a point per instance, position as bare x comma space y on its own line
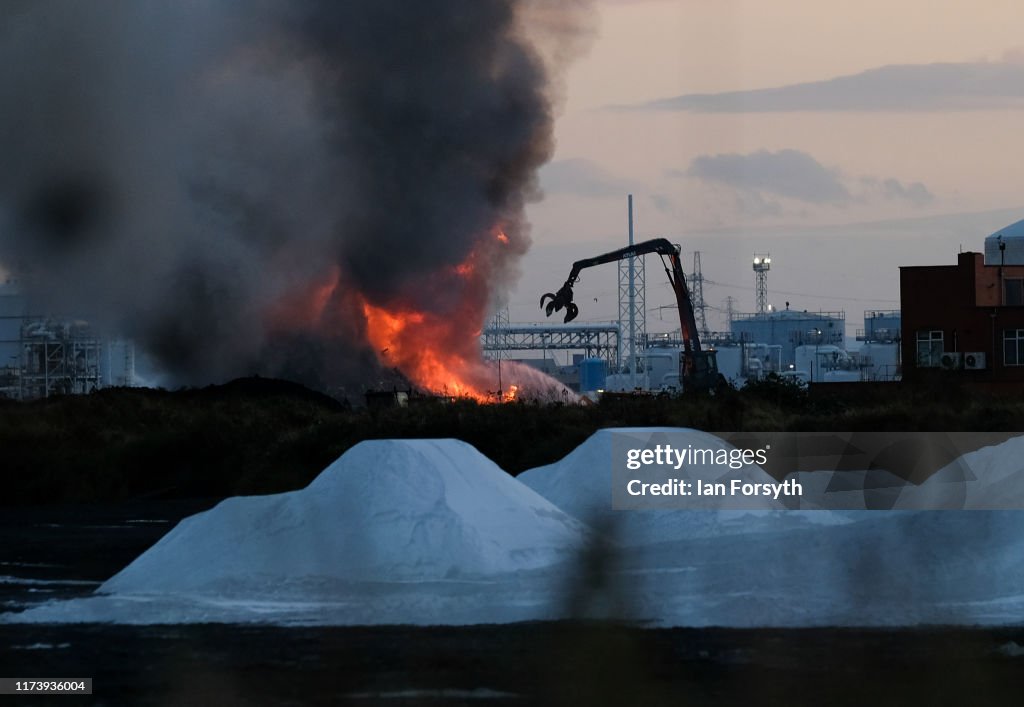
698, 369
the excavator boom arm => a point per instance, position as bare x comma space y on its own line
687, 321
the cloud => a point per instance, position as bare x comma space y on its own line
581, 177
787, 173
753, 203
759, 179
663, 203
907, 87
916, 192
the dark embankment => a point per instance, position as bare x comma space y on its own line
260, 436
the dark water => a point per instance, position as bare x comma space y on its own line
62, 553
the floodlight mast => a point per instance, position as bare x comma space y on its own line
762, 264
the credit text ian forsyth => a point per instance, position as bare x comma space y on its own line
669, 457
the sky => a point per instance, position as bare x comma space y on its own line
844, 139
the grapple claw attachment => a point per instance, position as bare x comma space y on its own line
571, 312
559, 301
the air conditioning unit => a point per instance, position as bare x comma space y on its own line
950, 360
974, 360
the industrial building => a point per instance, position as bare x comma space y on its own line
966, 321
42, 356
881, 326
880, 352
789, 329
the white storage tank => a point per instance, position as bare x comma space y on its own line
660, 361
789, 328
1013, 238
879, 361
826, 363
730, 363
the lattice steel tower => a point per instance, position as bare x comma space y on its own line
632, 307
499, 324
697, 297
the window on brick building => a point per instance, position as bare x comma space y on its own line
1013, 347
929, 348
1013, 291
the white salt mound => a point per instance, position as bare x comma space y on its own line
387, 510
898, 568
581, 484
796, 567
988, 478
848, 493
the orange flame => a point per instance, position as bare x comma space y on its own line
436, 348
441, 352
414, 343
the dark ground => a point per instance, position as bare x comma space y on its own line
566, 664
258, 435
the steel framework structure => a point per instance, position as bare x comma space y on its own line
600, 340
58, 358
632, 303
498, 327
762, 264
697, 296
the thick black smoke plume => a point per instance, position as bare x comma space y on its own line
187, 174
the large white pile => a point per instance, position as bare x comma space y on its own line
794, 568
581, 484
387, 510
897, 568
987, 478
433, 532
394, 531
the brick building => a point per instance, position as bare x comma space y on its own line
966, 321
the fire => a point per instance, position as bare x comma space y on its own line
439, 351
418, 344
469, 267
442, 355
432, 336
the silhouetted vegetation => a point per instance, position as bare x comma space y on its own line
262, 436
788, 393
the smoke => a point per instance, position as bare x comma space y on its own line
224, 182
